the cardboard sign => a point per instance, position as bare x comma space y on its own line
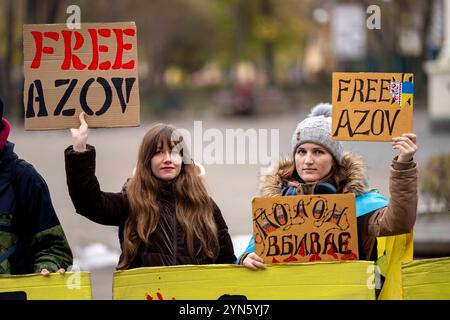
372, 106
92, 69
427, 279
68, 286
305, 228
277, 282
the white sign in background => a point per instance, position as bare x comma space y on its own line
349, 32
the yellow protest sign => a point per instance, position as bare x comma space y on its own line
372, 106
320, 280
92, 69
427, 279
305, 228
68, 286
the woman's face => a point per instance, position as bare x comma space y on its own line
166, 163
312, 162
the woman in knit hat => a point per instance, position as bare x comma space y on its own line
320, 166
31, 237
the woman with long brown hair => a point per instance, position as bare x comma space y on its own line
164, 213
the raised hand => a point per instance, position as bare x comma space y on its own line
406, 145
80, 135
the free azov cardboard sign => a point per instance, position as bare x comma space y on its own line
372, 106
92, 69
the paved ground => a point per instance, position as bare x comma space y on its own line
232, 186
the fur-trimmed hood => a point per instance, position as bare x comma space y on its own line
280, 172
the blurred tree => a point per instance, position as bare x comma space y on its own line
268, 39
7, 84
170, 32
178, 33
261, 31
435, 181
44, 11
400, 17
188, 34
16, 14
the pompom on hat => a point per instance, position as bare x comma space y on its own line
5, 127
316, 128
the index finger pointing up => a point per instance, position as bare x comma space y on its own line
82, 119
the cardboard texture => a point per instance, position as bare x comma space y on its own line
372, 106
325, 280
305, 228
427, 279
70, 286
92, 69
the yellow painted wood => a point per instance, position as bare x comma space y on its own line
71, 285
427, 279
321, 280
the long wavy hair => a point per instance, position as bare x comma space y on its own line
194, 207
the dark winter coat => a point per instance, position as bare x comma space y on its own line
31, 237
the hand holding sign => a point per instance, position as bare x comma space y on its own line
80, 136
407, 146
253, 261
46, 273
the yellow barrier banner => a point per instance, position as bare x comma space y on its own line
284, 281
68, 286
427, 279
